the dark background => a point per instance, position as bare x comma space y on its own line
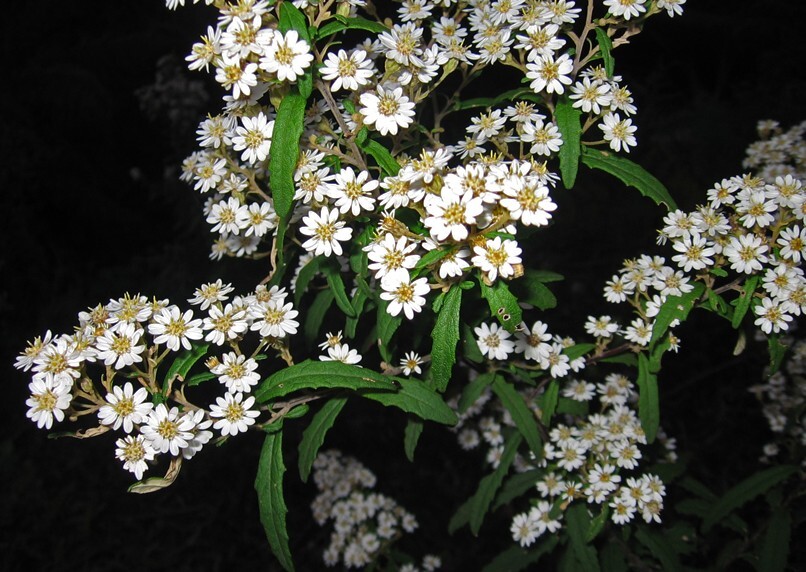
93, 209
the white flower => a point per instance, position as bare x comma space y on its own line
532, 342
619, 132
49, 398
387, 110
601, 327
342, 353
626, 8
135, 452
771, 317
125, 407
287, 55
391, 254
327, 232
793, 244
237, 372
353, 193
524, 529
411, 363
639, 332
694, 252
591, 96
545, 137
497, 258
232, 75
549, 74
746, 253
450, 213
208, 173
494, 341
57, 360
175, 330
224, 325
199, 431
403, 294
234, 416
120, 347
347, 71
262, 219
274, 319
166, 431
210, 293
254, 138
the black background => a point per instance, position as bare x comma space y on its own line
92, 209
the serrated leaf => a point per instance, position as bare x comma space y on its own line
306, 274
578, 350
597, 524
517, 485
358, 23
674, 308
414, 396
631, 174
544, 276
288, 127
184, 361
316, 314
336, 283
359, 302
515, 558
744, 300
382, 156
659, 548
522, 416
648, 401
321, 375
201, 377
473, 391
567, 118
747, 490
613, 558
445, 336
489, 485
578, 524
387, 325
271, 504
291, 18
774, 550
776, 350
411, 436
314, 435
569, 406
535, 293
605, 47
508, 96
470, 348
503, 304
549, 401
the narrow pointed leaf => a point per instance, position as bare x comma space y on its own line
489, 485
184, 361
648, 402
269, 487
473, 390
382, 156
314, 435
744, 300
605, 47
316, 315
445, 336
415, 397
567, 118
288, 127
387, 325
660, 548
503, 304
774, 550
336, 283
521, 414
549, 402
411, 436
674, 308
517, 485
515, 558
578, 524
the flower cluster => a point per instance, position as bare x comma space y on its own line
365, 522
131, 337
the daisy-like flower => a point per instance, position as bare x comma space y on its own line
694, 252
545, 137
532, 342
391, 254
527, 200
579, 390
402, 44
166, 431
175, 330
342, 353
253, 138
601, 327
287, 55
619, 132
201, 436
226, 324
403, 294
450, 213
120, 347
497, 258
746, 253
262, 219
209, 173
626, 8
672, 7
353, 192
135, 452
793, 244
125, 407
327, 232
622, 512
638, 332
454, 263
771, 317
616, 290
203, 53
210, 293
487, 125
590, 96
34, 349
549, 74
49, 398
555, 361
233, 413
237, 372
347, 71
387, 110
57, 360
756, 209
274, 319
411, 363
524, 529
236, 77
494, 341
229, 217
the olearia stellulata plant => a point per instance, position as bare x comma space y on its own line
387, 202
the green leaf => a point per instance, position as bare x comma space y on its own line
578, 350
597, 524
336, 283
508, 96
535, 293
777, 351
288, 127
674, 308
411, 435
544, 276
183, 362
445, 336
745, 491
359, 301
200, 378
382, 156
567, 118
774, 550
291, 18
489, 485
578, 524
269, 487
387, 325
631, 174
473, 390
316, 314
515, 558
516, 485
503, 304
549, 401
306, 274
605, 46
321, 374
431, 257
569, 406
523, 417
417, 398
648, 403
744, 300
314, 435
660, 548
470, 348
613, 558
357, 23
